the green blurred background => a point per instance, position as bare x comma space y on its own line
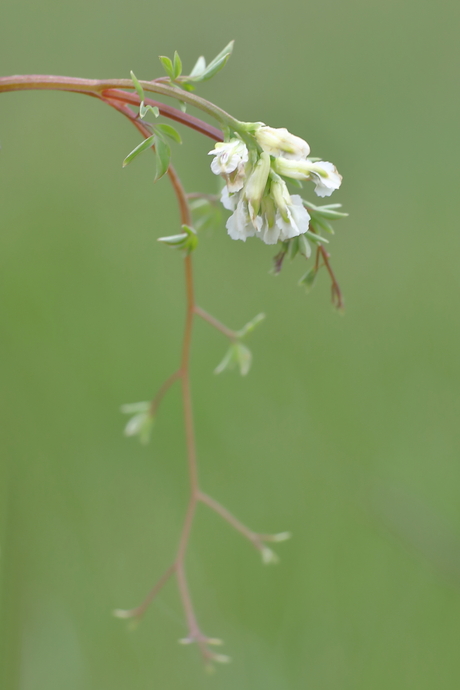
346, 432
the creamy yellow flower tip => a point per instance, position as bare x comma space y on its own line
280, 142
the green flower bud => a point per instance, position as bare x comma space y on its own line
255, 186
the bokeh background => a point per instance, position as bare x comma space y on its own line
346, 432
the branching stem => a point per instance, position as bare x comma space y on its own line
253, 537
154, 405
336, 292
196, 495
111, 93
232, 335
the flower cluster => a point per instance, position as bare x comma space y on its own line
255, 190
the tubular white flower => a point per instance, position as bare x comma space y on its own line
280, 142
240, 225
235, 181
297, 221
229, 161
229, 201
325, 177
228, 155
281, 217
323, 173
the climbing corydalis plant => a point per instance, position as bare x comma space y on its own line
256, 163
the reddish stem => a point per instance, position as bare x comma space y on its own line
167, 111
336, 292
120, 100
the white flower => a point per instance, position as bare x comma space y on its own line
229, 201
323, 173
281, 216
230, 158
240, 225
279, 142
325, 177
228, 155
292, 218
297, 220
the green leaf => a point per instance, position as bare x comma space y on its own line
132, 408
225, 53
138, 87
243, 358
177, 66
319, 223
293, 247
308, 280
146, 430
163, 154
169, 132
237, 355
330, 214
144, 109
168, 66
192, 238
211, 70
140, 425
187, 240
327, 211
199, 68
304, 247
228, 361
316, 237
215, 65
143, 146
174, 240
249, 327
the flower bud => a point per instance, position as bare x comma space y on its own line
279, 142
256, 184
281, 196
323, 173
297, 170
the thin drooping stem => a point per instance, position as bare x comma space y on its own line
154, 405
232, 335
178, 567
253, 537
139, 611
108, 92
